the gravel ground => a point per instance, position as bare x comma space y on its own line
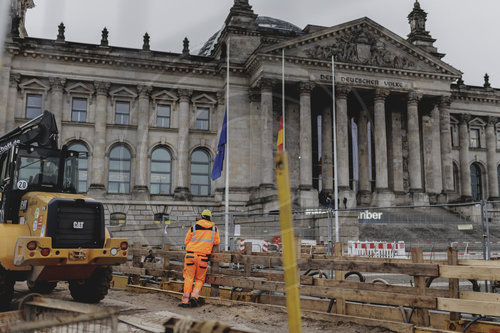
151, 310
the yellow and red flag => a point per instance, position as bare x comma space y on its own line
280, 135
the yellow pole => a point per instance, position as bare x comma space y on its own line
287, 237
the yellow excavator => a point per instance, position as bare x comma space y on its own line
48, 231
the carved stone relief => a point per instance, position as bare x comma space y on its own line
360, 47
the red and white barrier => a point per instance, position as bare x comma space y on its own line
258, 245
376, 249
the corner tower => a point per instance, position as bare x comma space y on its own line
418, 35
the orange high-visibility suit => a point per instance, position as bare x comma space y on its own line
199, 241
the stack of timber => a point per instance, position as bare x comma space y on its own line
258, 278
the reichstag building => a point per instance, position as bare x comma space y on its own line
409, 130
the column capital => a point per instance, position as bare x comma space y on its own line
414, 97
254, 95
14, 80
465, 118
342, 91
381, 94
444, 102
265, 84
144, 91
184, 94
57, 84
492, 120
306, 87
101, 87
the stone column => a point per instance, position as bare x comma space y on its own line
414, 157
436, 151
326, 150
56, 101
382, 197
140, 190
267, 158
97, 186
365, 190
414, 153
342, 128
307, 197
397, 153
446, 149
491, 149
10, 113
255, 137
182, 191
463, 137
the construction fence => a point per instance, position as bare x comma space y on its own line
472, 227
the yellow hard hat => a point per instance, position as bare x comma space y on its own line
206, 213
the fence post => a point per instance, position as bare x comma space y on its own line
339, 276
422, 315
214, 288
454, 287
136, 259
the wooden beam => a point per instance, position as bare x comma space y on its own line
470, 272
468, 306
453, 286
421, 315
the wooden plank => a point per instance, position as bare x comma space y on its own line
453, 285
472, 262
317, 291
470, 272
214, 269
487, 297
468, 306
338, 251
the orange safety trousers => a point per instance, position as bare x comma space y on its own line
195, 269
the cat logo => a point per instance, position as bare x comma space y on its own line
78, 224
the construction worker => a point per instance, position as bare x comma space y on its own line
199, 241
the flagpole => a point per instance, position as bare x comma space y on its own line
226, 215
336, 186
283, 95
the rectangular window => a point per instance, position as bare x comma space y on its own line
79, 109
33, 105
122, 113
163, 115
474, 138
202, 118
452, 137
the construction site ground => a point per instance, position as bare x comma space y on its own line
146, 312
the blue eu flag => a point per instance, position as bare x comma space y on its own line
221, 147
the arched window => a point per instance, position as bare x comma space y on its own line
82, 165
119, 170
200, 173
161, 171
118, 219
456, 178
475, 181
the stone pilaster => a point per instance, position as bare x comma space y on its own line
140, 189
10, 113
463, 135
446, 149
342, 129
326, 150
307, 198
182, 190
255, 137
436, 151
397, 153
382, 197
491, 148
267, 159
97, 186
56, 101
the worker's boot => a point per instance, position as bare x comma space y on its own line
184, 305
194, 302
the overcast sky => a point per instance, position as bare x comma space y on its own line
467, 31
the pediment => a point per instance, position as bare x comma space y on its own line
164, 95
362, 42
33, 84
123, 92
454, 120
477, 122
79, 88
204, 99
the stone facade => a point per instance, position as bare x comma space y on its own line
408, 130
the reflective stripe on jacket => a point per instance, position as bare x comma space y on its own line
202, 237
